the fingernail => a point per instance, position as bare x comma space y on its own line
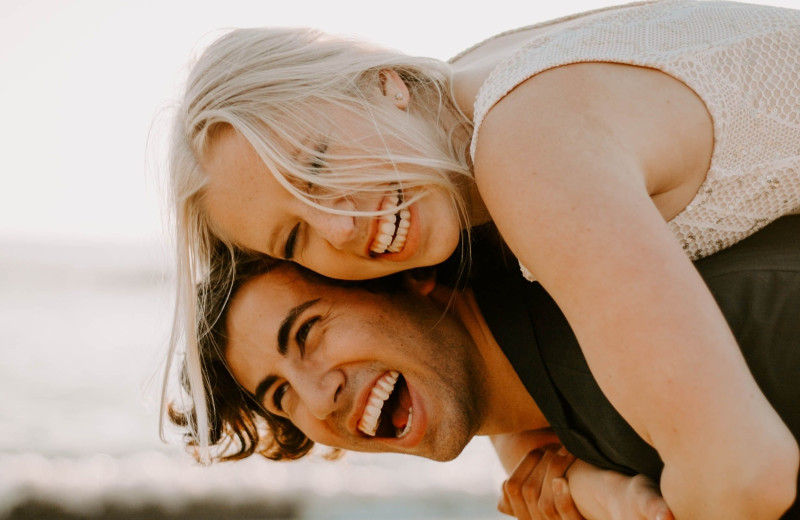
560, 488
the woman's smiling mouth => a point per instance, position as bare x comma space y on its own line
392, 227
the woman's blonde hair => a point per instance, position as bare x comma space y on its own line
278, 87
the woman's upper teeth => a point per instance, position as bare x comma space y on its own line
392, 228
377, 397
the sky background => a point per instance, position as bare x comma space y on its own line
86, 85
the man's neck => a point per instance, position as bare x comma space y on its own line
510, 408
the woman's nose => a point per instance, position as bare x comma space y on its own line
322, 393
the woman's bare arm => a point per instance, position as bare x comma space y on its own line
536, 488
512, 447
564, 167
607, 495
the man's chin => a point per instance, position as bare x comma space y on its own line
448, 449
447, 457
436, 456
444, 453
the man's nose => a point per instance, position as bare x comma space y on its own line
322, 393
333, 226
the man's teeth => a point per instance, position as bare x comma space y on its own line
402, 433
377, 397
392, 229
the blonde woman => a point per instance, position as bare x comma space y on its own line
609, 148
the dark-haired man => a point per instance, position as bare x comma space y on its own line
392, 371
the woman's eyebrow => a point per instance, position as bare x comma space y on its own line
287, 324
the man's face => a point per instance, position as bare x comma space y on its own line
326, 357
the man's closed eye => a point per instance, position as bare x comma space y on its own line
301, 336
277, 396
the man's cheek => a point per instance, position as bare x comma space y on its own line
323, 436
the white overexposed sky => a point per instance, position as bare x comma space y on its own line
84, 80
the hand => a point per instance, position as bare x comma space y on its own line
604, 494
642, 500
537, 489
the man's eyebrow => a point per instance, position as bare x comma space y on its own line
288, 323
283, 346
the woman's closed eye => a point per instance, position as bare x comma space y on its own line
317, 163
291, 242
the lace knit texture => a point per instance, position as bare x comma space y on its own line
744, 63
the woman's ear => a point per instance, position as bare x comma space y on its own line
421, 281
394, 88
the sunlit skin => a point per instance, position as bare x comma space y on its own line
251, 209
579, 167
458, 380
352, 338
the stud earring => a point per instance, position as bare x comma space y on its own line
398, 96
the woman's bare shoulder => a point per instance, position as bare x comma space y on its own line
589, 112
473, 66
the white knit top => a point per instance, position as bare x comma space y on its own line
742, 60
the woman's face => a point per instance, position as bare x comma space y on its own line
250, 208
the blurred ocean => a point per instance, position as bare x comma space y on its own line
83, 330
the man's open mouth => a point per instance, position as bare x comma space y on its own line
392, 227
388, 412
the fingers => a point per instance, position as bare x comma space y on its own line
514, 489
566, 508
648, 499
533, 491
503, 504
556, 465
